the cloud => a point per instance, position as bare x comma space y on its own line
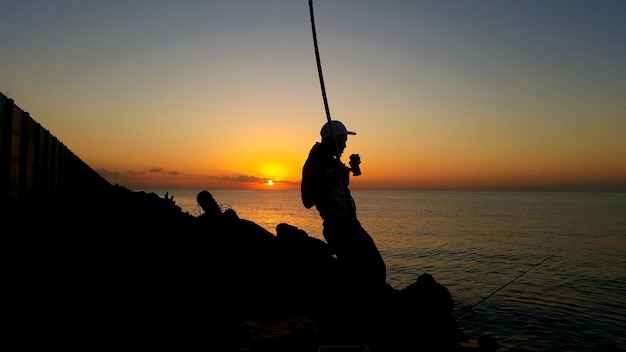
250, 179
240, 179
159, 177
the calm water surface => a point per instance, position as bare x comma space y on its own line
539, 271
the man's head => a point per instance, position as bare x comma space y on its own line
340, 133
338, 128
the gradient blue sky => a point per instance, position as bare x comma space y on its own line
225, 94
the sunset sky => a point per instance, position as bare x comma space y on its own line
226, 94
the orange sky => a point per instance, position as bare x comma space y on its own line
512, 95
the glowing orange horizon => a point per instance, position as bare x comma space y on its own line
443, 183
385, 173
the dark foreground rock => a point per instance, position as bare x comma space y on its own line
129, 270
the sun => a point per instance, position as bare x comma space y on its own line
270, 182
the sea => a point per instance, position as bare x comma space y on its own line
538, 271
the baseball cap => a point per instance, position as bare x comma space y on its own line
338, 127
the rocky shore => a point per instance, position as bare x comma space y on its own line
126, 269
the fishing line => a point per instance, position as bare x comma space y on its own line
508, 283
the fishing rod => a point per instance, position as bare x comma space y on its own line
321, 77
326, 108
508, 283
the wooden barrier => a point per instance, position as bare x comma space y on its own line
34, 163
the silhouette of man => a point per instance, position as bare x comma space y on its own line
325, 181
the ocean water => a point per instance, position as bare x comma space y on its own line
539, 271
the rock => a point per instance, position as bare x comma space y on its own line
130, 269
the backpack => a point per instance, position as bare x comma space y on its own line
307, 189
